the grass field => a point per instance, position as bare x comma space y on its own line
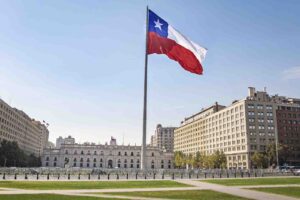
65, 185
184, 194
288, 191
255, 181
47, 197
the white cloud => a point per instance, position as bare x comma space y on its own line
291, 73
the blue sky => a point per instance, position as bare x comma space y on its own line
79, 64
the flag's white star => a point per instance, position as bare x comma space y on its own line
157, 24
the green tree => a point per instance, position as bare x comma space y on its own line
271, 154
258, 159
208, 161
12, 156
198, 160
284, 152
190, 160
179, 159
215, 160
219, 159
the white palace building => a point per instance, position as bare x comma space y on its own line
107, 156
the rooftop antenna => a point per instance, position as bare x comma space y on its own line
123, 139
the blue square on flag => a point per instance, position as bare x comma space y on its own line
157, 25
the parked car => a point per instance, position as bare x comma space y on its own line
297, 172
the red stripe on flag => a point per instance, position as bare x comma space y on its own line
186, 58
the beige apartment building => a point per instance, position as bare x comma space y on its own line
15, 125
163, 138
240, 129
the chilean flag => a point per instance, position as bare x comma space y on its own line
164, 39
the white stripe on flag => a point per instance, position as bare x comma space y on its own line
197, 50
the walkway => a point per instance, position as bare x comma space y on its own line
238, 191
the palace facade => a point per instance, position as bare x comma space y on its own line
107, 156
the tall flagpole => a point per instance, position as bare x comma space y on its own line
144, 145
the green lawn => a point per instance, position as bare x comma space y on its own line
184, 194
47, 197
56, 185
288, 191
255, 181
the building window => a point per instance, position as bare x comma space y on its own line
119, 153
152, 154
251, 120
95, 152
250, 106
260, 106
82, 153
250, 113
131, 153
54, 164
125, 153
119, 163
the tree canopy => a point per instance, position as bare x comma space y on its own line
200, 160
12, 156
